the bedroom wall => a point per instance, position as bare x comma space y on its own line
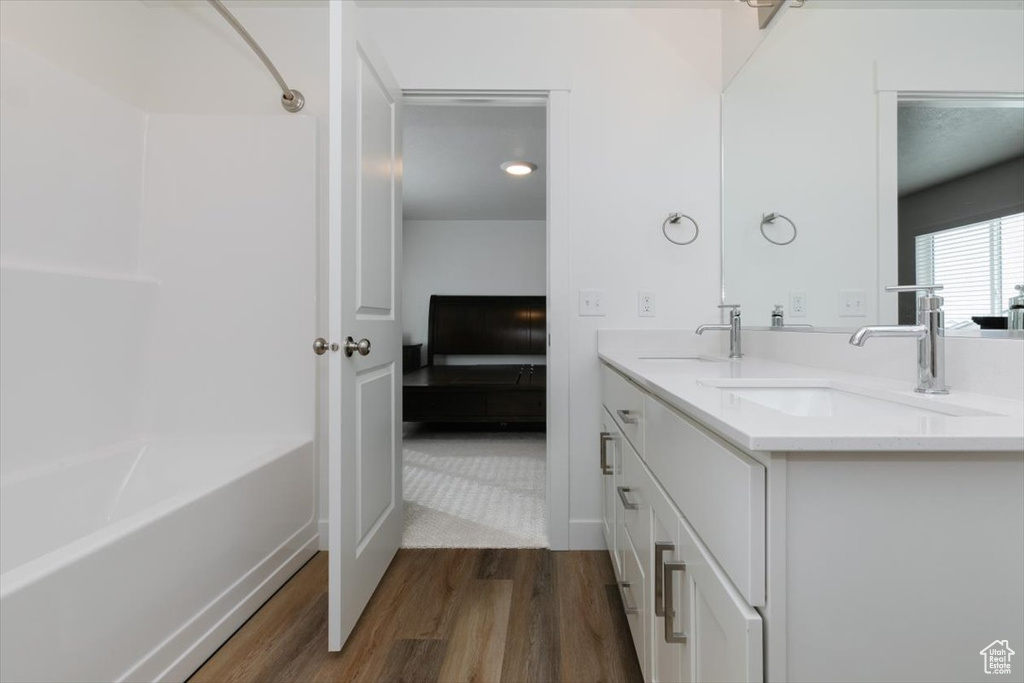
467, 257
644, 89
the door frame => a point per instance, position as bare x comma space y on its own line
556, 103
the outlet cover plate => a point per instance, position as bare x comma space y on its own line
798, 304
853, 303
645, 304
591, 302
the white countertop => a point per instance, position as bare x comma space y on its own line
755, 427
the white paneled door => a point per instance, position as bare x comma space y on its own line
364, 442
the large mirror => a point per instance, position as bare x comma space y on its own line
867, 144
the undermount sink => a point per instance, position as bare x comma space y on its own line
698, 359
823, 398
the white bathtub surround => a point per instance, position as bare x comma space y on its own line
157, 473
474, 489
148, 555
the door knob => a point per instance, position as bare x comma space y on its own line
352, 346
320, 346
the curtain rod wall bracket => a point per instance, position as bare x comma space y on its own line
292, 100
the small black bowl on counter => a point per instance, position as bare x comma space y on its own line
990, 322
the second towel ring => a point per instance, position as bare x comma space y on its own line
767, 218
674, 219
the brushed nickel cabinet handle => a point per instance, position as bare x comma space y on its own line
623, 490
627, 417
605, 438
623, 586
659, 590
671, 635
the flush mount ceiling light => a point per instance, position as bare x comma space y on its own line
518, 167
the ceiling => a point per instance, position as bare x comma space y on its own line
943, 141
452, 158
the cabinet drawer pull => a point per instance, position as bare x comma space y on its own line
605, 438
671, 635
627, 417
623, 490
623, 585
659, 590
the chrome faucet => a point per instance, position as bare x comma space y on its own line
735, 349
931, 351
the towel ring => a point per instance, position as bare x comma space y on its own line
674, 219
770, 218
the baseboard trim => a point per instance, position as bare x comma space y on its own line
324, 538
586, 534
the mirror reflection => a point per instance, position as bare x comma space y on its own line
861, 151
961, 205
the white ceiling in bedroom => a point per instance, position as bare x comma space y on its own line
453, 156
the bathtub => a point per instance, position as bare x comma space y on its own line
137, 562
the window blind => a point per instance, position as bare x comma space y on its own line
978, 266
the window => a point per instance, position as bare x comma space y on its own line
978, 266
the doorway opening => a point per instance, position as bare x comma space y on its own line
474, 280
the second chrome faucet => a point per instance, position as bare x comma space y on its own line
929, 332
734, 328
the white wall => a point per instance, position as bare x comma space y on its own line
643, 128
467, 257
801, 138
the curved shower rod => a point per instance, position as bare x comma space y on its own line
291, 99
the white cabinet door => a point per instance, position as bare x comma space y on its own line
633, 587
670, 659
634, 489
607, 462
723, 632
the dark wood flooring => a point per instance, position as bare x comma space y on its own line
445, 615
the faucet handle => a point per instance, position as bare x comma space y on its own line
914, 288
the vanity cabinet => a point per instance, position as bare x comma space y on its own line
688, 617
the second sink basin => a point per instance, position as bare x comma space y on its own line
823, 398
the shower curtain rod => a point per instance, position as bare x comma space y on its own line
291, 100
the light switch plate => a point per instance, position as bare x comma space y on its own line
798, 304
591, 302
645, 305
852, 303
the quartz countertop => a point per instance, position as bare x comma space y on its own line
755, 427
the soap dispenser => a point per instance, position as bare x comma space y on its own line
777, 316
1015, 320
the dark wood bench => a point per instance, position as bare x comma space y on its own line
476, 326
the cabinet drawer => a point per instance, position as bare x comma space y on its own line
632, 589
719, 490
625, 401
629, 496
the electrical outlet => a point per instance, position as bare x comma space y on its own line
797, 304
591, 302
645, 306
852, 303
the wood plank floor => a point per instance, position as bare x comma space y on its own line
445, 615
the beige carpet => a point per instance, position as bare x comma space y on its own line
474, 489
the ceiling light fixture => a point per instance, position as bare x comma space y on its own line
518, 167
